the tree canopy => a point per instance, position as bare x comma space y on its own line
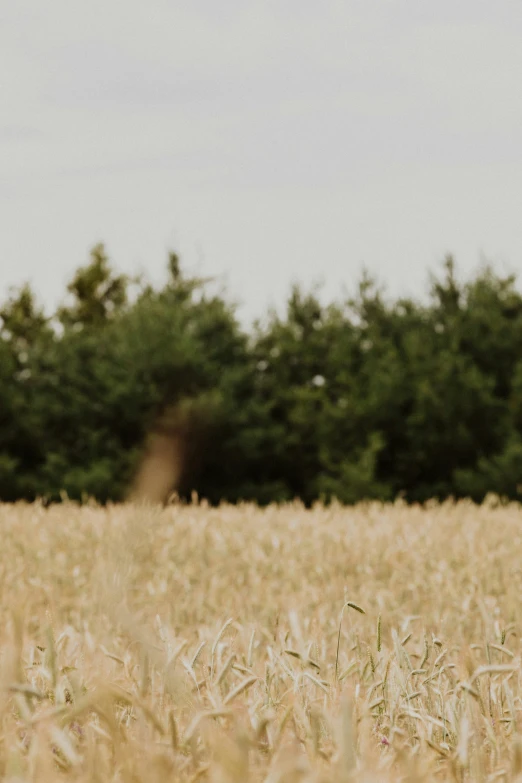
358, 399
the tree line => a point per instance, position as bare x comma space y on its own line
368, 398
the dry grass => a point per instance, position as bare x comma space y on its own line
187, 644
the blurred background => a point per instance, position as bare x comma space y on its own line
312, 166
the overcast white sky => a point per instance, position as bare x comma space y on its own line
265, 141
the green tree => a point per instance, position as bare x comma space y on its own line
101, 388
25, 334
96, 292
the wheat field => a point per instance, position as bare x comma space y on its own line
235, 645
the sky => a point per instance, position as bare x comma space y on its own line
266, 142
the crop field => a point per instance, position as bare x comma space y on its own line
234, 645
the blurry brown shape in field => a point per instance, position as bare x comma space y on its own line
160, 469
173, 451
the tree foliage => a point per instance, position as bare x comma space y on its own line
364, 398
